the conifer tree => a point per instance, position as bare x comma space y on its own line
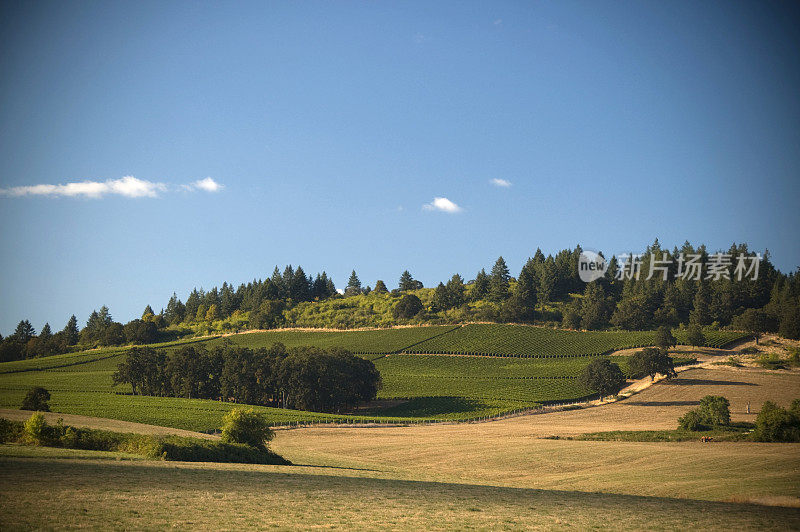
407, 282
498, 281
353, 285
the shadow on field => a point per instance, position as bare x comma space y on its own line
705, 382
337, 467
663, 403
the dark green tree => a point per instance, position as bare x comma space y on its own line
665, 339
480, 287
71, 333
701, 312
24, 332
595, 308
353, 285
754, 321
499, 280
407, 282
695, 336
36, 399
408, 307
651, 361
603, 376
380, 287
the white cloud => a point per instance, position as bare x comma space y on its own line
128, 186
500, 182
207, 184
498, 21
442, 204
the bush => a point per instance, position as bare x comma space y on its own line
692, 420
246, 427
776, 424
603, 376
36, 399
37, 432
10, 430
408, 307
714, 411
35, 429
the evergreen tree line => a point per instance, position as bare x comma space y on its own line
547, 289
304, 378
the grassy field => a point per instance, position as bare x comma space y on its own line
81, 490
437, 387
504, 474
528, 341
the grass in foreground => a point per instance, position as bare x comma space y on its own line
99, 493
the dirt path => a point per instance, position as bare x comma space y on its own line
105, 424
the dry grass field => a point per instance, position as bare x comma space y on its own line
501, 474
55, 488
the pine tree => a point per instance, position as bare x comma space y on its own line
46, 333
527, 286
407, 282
480, 288
455, 291
701, 313
300, 287
353, 285
148, 314
71, 333
24, 331
498, 281
440, 299
380, 287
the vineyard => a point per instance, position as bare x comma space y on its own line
534, 342
453, 380
366, 342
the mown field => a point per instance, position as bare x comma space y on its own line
538, 365
103, 490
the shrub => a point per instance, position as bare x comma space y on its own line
692, 420
247, 427
603, 376
776, 424
714, 411
408, 307
651, 361
35, 430
10, 430
36, 399
695, 335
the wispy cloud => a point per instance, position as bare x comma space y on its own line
442, 204
500, 182
498, 22
128, 186
419, 38
207, 184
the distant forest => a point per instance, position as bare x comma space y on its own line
547, 291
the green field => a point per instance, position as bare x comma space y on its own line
530, 341
376, 341
538, 365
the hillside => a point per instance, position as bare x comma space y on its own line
536, 365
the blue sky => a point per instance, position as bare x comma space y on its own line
329, 126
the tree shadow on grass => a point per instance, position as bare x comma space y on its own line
663, 403
705, 382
